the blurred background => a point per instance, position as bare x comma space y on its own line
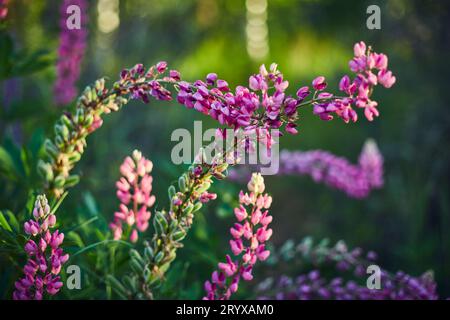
407, 222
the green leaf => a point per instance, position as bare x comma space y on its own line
117, 286
15, 153
75, 237
25, 157
91, 204
12, 220
36, 142
7, 163
4, 223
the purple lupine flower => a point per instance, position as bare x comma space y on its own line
337, 172
314, 286
371, 163
45, 257
263, 104
348, 281
248, 243
319, 83
371, 69
72, 45
254, 111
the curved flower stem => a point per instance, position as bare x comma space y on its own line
70, 135
72, 129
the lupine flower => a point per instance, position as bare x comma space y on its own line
248, 243
134, 192
45, 257
312, 285
371, 163
72, 44
256, 107
371, 69
336, 172
3, 9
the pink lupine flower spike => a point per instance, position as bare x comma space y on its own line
248, 243
134, 192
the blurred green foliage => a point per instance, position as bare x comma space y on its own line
407, 222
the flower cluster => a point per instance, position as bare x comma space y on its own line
134, 192
352, 264
313, 286
248, 243
260, 107
371, 69
45, 257
249, 107
336, 172
72, 45
371, 163
3, 9
143, 83
264, 103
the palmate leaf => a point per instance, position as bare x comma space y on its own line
11, 240
18, 167
30, 63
